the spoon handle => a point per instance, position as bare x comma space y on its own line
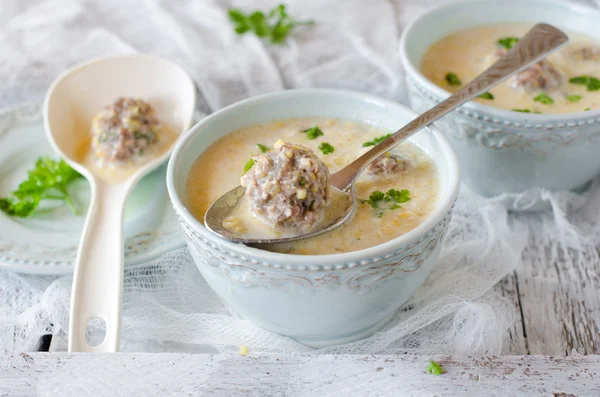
535, 45
98, 278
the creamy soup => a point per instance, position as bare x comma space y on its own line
382, 214
567, 81
124, 136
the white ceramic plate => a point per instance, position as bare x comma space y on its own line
47, 242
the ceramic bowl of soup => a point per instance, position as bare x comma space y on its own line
337, 287
538, 129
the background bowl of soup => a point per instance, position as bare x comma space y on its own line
314, 295
539, 130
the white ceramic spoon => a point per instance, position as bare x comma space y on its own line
73, 99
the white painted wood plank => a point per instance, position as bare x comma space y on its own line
514, 342
560, 300
169, 374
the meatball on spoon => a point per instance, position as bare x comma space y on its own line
71, 103
277, 189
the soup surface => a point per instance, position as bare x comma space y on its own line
378, 219
567, 81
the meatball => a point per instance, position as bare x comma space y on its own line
123, 130
387, 166
288, 186
540, 76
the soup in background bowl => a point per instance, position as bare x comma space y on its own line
337, 288
504, 144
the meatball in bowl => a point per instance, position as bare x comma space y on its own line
342, 285
540, 128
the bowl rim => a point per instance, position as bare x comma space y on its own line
300, 262
472, 108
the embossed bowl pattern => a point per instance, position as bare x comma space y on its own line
319, 300
503, 151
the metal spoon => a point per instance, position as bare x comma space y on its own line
541, 40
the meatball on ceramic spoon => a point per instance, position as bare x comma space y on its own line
290, 190
113, 120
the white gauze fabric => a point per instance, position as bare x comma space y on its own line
353, 45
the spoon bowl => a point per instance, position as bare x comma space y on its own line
71, 102
539, 42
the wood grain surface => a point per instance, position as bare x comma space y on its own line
169, 374
557, 298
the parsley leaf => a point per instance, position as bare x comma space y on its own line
487, 95
276, 25
586, 109
574, 98
47, 181
544, 99
314, 132
399, 196
262, 148
248, 165
508, 42
452, 79
326, 148
434, 368
374, 198
376, 141
591, 83
390, 200
525, 111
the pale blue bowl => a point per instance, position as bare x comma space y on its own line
319, 300
503, 151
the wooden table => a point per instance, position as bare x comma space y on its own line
168, 374
558, 303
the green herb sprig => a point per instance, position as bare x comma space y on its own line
574, 98
544, 99
452, 79
47, 181
434, 368
508, 42
487, 95
526, 111
389, 200
326, 148
376, 141
248, 165
591, 83
262, 148
313, 133
276, 25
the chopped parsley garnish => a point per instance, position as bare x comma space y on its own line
276, 25
314, 132
525, 111
487, 95
434, 368
248, 165
574, 98
376, 141
47, 181
326, 148
452, 79
262, 148
586, 109
508, 42
302, 181
390, 200
591, 83
544, 99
